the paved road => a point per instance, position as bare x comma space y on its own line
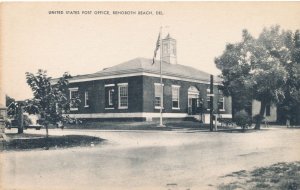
148, 159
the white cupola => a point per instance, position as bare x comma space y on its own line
169, 54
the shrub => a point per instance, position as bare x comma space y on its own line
26, 120
243, 119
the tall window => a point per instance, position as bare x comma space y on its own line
208, 99
86, 99
123, 95
221, 105
175, 97
221, 101
109, 96
157, 94
74, 96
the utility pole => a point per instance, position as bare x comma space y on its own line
21, 120
211, 101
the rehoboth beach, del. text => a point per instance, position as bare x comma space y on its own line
105, 12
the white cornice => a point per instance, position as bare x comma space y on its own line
139, 74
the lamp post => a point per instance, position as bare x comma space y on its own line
211, 105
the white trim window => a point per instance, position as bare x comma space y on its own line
74, 95
221, 103
158, 91
86, 99
175, 96
123, 95
208, 99
109, 96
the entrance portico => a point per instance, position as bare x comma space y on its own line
193, 100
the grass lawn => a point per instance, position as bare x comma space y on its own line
31, 141
285, 176
132, 125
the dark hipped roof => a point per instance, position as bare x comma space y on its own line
145, 65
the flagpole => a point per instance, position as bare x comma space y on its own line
161, 84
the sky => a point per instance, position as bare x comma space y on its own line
33, 39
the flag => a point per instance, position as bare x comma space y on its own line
156, 48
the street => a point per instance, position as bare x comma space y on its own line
147, 159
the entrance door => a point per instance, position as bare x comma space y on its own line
194, 106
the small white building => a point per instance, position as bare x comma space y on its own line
270, 113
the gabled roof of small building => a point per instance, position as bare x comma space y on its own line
145, 66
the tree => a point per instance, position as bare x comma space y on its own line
257, 67
49, 100
15, 112
236, 66
271, 71
9, 100
11, 105
289, 108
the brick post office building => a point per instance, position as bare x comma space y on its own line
131, 90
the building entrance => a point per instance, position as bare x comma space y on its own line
193, 100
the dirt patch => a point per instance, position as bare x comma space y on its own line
277, 176
28, 142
